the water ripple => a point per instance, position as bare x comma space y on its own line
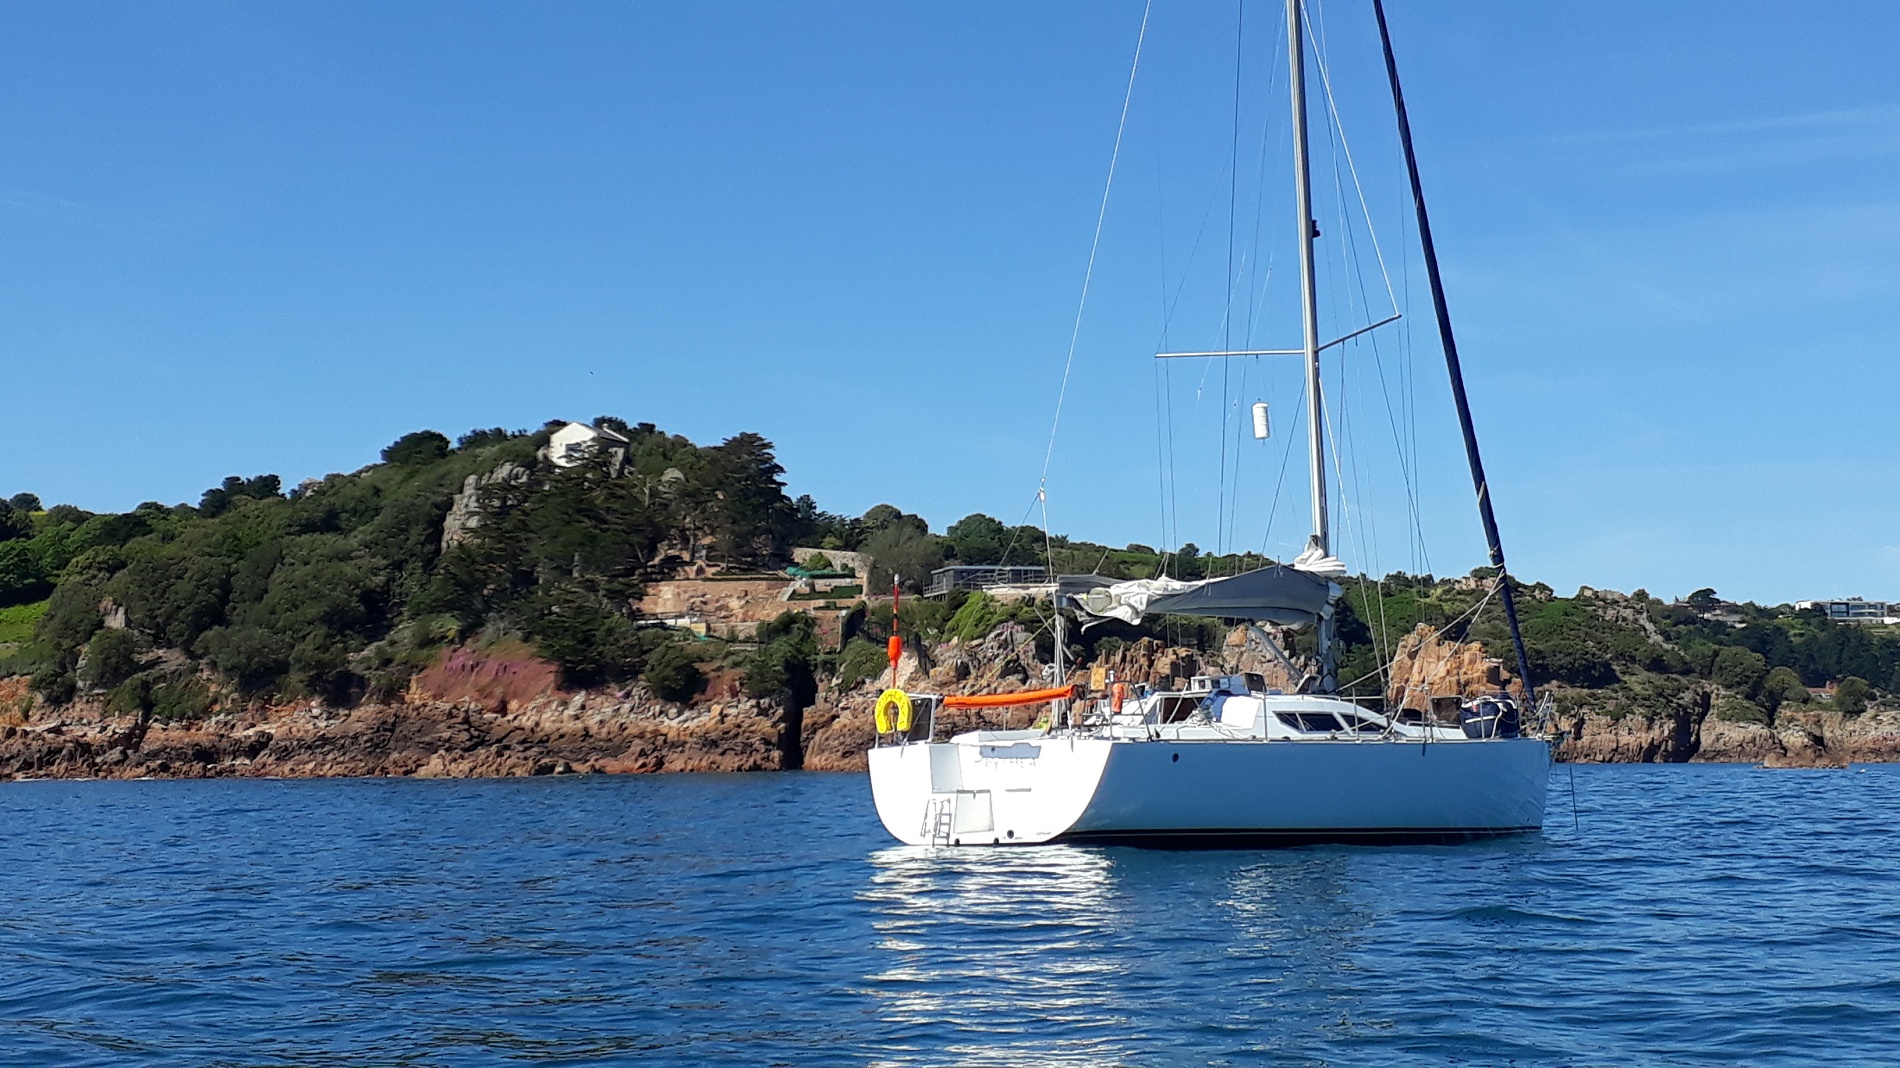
1695, 916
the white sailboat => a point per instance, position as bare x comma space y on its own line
1227, 759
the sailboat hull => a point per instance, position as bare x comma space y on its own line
1186, 793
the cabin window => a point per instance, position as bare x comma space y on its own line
1360, 724
1256, 682
1174, 709
1310, 722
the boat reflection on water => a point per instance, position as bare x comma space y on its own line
997, 955
1090, 955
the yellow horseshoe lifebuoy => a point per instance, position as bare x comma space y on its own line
888, 700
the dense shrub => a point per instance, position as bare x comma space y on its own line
1781, 687
785, 663
481, 438
183, 699
225, 496
672, 672
1851, 696
112, 656
420, 447
860, 660
590, 641
252, 658
23, 575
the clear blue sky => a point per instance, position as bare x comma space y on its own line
239, 238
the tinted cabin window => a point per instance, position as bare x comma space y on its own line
1176, 709
1311, 722
1356, 723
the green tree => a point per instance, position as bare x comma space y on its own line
252, 658
827, 530
672, 672
1187, 563
786, 661
899, 551
14, 523
1851, 695
112, 656
1738, 670
752, 520
23, 577
419, 447
1567, 641
25, 502
1781, 686
225, 496
175, 592
590, 641
977, 539
480, 438
880, 516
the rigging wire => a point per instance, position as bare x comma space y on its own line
1286, 456
1468, 614
1173, 506
1332, 107
1163, 443
1227, 317
1250, 262
1016, 531
1095, 246
1344, 146
1360, 521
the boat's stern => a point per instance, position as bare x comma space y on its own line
991, 788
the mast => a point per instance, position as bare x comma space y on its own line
1452, 366
1309, 315
1058, 710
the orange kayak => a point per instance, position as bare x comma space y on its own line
1009, 700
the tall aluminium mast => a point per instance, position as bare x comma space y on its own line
1309, 315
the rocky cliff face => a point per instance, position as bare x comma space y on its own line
1426, 665
500, 714
557, 734
465, 512
1797, 739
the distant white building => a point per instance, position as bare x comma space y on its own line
575, 442
1855, 610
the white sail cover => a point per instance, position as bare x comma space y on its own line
1288, 596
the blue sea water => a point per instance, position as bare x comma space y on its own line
1703, 915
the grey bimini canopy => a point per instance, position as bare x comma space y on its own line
1280, 594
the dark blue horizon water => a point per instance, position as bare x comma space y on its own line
1705, 915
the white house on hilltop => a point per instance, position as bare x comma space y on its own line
575, 442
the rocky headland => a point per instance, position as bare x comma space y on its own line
477, 716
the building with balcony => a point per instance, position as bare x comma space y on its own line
1855, 610
947, 580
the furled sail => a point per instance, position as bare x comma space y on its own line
1288, 596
